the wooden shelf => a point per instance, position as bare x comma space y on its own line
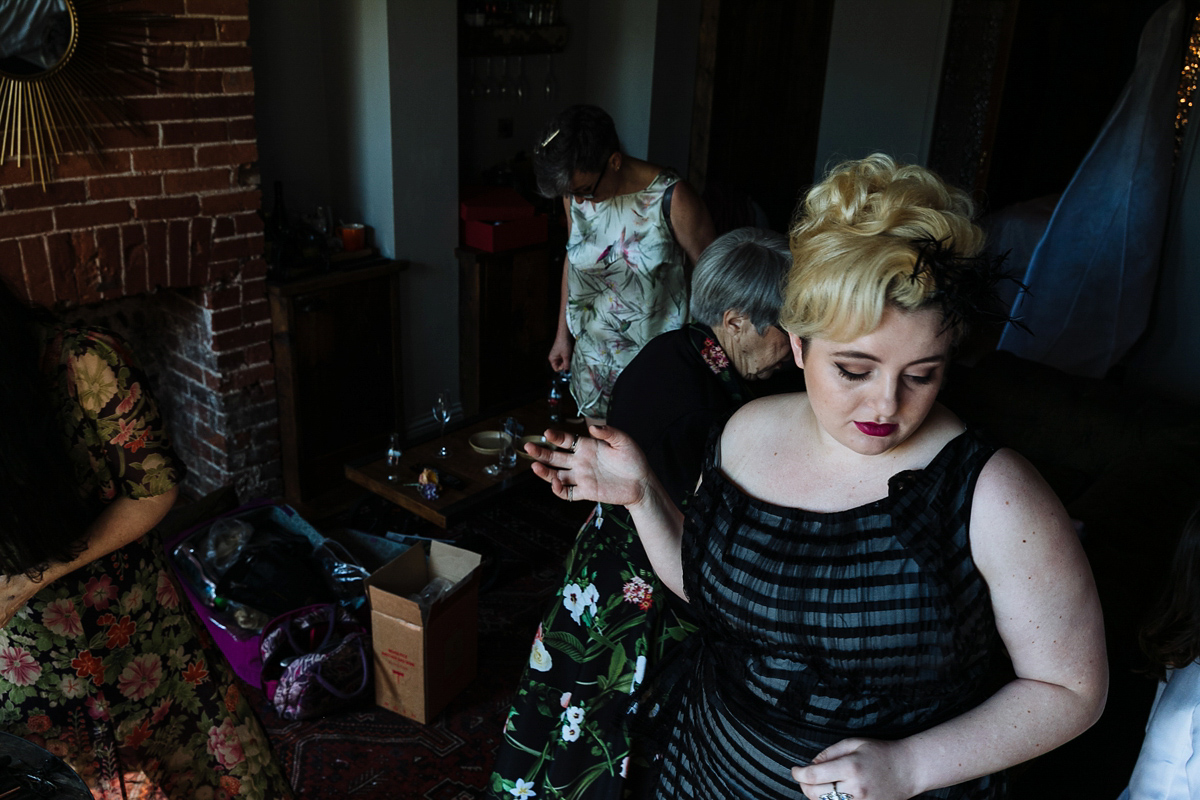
508, 317
336, 337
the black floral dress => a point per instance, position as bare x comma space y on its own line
566, 733
106, 667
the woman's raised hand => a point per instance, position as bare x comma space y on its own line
606, 467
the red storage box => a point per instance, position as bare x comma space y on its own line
496, 235
492, 203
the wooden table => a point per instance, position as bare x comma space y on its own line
463, 462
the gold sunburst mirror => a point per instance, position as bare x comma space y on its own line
65, 68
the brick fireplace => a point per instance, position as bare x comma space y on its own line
162, 241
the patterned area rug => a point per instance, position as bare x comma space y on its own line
369, 752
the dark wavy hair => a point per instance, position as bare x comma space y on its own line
42, 515
1171, 637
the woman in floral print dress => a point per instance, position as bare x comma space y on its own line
630, 226
100, 661
565, 735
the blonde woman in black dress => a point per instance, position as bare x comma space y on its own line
857, 559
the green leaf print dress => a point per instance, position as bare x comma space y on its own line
625, 285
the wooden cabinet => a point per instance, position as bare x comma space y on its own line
508, 316
337, 361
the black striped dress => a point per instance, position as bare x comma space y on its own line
868, 622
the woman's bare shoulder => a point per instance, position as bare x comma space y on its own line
764, 419
1015, 510
767, 410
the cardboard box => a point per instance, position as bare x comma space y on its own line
492, 203
496, 235
421, 663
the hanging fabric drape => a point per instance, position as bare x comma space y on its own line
1092, 276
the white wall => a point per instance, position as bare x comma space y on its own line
320, 67
356, 108
423, 71
882, 78
359, 121
620, 66
289, 101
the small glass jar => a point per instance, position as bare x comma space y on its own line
392, 457
555, 400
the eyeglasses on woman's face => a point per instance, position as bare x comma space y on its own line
589, 192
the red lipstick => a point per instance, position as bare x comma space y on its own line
874, 429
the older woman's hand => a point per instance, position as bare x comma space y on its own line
607, 466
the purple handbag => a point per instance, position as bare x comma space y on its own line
314, 660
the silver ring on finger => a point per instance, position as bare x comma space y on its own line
836, 795
569, 498
574, 444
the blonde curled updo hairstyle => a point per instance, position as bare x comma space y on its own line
855, 247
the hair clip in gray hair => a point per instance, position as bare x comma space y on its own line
549, 138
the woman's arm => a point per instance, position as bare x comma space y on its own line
124, 520
560, 352
609, 467
1048, 615
691, 222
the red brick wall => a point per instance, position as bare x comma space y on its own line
170, 213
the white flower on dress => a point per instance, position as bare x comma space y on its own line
141, 676
72, 686
223, 743
570, 732
133, 599
94, 381
18, 666
565, 700
625, 767
539, 657
62, 618
165, 591
639, 674
578, 599
574, 715
522, 788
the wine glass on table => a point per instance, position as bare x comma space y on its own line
441, 413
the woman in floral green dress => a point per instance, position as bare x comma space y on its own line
630, 227
565, 736
101, 662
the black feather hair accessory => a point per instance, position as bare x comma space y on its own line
965, 287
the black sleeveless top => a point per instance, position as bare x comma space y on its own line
868, 622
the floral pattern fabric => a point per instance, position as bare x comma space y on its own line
565, 735
625, 285
613, 621
105, 667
